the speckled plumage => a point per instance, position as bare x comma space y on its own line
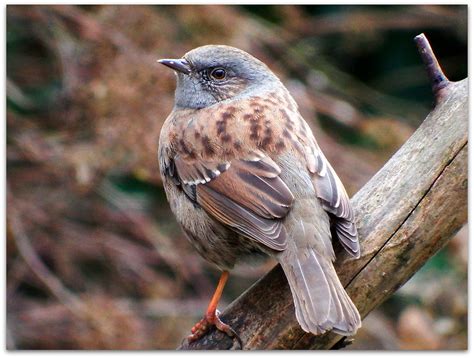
243, 173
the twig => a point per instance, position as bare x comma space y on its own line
436, 75
37, 266
16, 95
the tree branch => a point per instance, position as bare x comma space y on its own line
405, 213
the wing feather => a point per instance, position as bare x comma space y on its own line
335, 200
246, 195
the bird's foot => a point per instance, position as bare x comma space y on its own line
212, 319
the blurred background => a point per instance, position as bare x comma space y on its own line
95, 259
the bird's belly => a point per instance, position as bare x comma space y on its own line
214, 242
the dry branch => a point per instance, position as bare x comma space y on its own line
405, 213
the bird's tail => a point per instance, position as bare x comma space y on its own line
321, 303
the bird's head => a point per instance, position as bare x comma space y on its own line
214, 73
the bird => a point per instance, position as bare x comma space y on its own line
243, 174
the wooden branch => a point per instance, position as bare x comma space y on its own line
405, 213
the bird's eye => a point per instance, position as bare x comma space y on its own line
218, 74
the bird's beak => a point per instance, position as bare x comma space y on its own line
180, 65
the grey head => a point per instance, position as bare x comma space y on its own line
210, 74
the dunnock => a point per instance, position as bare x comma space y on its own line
243, 173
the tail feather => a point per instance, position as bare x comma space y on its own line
321, 303
313, 292
347, 318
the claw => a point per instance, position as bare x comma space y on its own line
212, 316
201, 328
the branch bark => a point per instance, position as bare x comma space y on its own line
405, 213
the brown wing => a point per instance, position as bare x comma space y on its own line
246, 195
335, 200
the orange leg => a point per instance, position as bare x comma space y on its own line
212, 315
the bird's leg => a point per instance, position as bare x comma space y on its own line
212, 315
